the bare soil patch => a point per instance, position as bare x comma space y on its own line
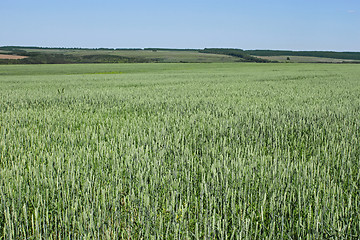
5, 56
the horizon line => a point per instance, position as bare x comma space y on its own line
169, 48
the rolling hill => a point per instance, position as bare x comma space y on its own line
40, 55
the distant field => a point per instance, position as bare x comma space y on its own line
318, 54
303, 59
5, 56
180, 151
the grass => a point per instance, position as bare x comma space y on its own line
180, 151
69, 69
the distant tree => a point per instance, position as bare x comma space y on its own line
288, 58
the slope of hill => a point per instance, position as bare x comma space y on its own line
102, 55
235, 53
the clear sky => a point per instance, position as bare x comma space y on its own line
247, 24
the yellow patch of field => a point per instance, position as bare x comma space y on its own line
6, 56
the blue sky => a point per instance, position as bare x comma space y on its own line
247, 24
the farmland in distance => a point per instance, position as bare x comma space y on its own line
180, 151
306, 59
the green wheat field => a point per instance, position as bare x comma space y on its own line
180, 151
